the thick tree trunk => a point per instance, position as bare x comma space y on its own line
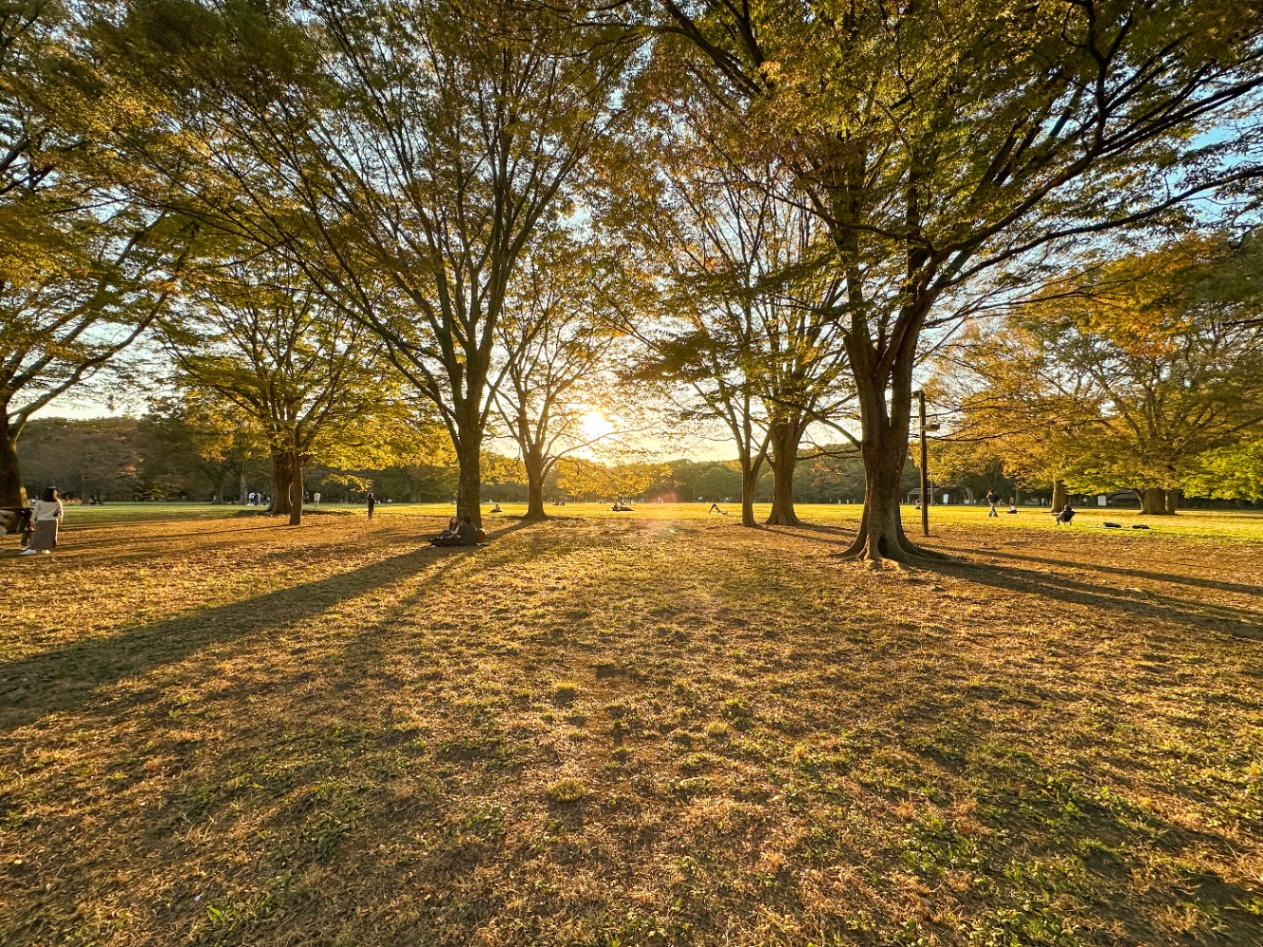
295, 490
469, 490
783, 513
12, 490
884, 450
1059, 496
786, 436
282, 475
1173, 501
881, 528
534, 488
1153, 502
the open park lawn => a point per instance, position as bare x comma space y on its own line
649, 728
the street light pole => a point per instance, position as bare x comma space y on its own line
925, 469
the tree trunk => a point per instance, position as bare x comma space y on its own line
295, 490
749, 480
881, 527
533, 461
1059, 496
282, 474
1173, 501
469, 490
241, 497
884, 450
12, 490
535, 500
786, 436
1153, 502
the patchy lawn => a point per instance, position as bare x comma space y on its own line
649, 728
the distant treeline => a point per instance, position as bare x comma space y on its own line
157, 458
154, 458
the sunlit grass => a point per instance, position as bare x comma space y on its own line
1191, 523
647, 728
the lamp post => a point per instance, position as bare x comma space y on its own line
925, 464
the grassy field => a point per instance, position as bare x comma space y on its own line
654, 728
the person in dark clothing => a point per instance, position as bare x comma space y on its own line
991, 502
372, 504
467, 534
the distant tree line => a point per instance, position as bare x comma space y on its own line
172, 457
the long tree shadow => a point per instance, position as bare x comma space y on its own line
1216, 584
68, 678
1238, 622
846, 534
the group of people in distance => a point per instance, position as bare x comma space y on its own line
1064, 515
992, 500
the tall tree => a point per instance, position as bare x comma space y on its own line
744, 311
555, 336
302, 370
407, 154
943, 142
83, 270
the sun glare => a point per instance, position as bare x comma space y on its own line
595, 424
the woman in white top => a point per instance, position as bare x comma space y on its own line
47, 516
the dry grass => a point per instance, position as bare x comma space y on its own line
656, 728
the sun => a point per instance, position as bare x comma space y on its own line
595, 424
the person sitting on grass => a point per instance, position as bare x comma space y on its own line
449, 532
17, 519
1066, 514
465, 534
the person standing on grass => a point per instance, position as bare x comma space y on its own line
47, 516
372, 504
991, 501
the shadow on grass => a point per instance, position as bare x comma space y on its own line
1238, 622
66, 679
816, 528
1215, 584
306, 805
845, 535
